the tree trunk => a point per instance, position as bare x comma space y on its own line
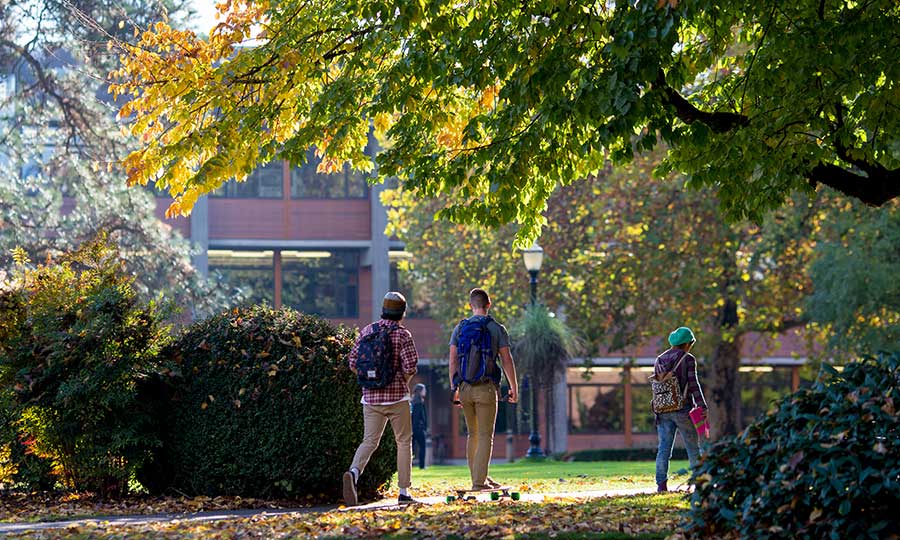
723, 389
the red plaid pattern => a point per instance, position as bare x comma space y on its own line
404, 353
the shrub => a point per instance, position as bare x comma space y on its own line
75, 341
824, 464
266, 407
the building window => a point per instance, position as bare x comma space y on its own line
596, 400
307, 183
249, 275
266, 182
323, 283
760, 386
403, 280
642, 417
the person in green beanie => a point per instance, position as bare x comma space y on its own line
683, 365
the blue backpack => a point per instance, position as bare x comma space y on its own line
375, 358
476, 356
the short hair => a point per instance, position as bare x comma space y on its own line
478, 298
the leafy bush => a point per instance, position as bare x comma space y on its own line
75, 341
622, 454
824, 464
266, 406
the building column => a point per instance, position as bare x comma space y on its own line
377, 256
200, 235
627, 422
276, 262
559, 441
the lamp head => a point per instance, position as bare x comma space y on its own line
533, 257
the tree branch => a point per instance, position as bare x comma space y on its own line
875, 189
718, 122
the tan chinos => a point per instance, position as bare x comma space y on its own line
375, 417
479, 404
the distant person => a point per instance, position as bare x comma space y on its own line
419, 423
475, 346
676, 390
384, 358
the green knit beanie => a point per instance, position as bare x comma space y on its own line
681, 336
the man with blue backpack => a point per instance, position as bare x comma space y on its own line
475, 346
384, 360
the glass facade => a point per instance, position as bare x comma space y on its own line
323, 283
266, 182
249, 275
307, 183
760, 386
403, 280
596, 400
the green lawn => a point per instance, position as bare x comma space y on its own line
548, 476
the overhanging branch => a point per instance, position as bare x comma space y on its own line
718, 122
875, 189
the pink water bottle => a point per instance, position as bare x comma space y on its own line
700, 423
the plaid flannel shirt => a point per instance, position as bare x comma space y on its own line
404, 354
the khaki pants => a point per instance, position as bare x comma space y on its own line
375, 417
479, 404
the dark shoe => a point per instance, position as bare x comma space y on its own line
406, 499
350, 489
661, 487
491, 483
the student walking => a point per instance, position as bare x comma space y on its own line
419, 423
475, 346
384, 358
676, 389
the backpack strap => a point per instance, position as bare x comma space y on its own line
675, 367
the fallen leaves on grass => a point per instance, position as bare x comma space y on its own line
27, 507
574, 484
639, 514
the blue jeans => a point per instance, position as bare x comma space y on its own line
669, 424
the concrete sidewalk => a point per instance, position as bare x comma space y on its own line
217, 515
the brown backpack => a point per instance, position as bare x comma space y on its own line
667, 395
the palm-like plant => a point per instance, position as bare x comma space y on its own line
542, 345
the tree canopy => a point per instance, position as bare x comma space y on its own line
496, 105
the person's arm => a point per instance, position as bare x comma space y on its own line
354, 356
693, 383
454, 365
509, 369
409, 358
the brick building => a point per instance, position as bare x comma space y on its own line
289, 236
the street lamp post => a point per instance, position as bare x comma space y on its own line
533, 258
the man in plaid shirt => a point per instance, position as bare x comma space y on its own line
387, 404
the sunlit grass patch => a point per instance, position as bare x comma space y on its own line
547, 476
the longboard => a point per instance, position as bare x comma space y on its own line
497, 493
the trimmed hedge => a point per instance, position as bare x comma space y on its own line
824, 464
622, 454
265, 407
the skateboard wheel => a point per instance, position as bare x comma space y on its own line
515, 495
495, 496
450, 498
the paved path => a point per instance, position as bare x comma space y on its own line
143, 519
